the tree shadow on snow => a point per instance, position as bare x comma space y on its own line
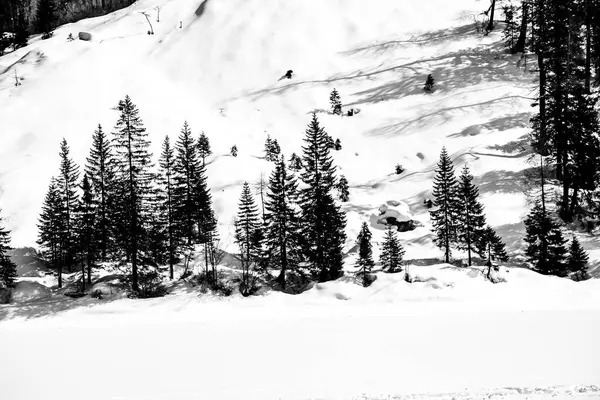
519, 120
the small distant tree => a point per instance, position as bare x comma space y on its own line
365, 261
336, 103
248, 236
470, 215
272, 149
234, 150
491, 246
578, 261
343, 189
8, 269
295, 162
399, 169
391, 252
204, 147
338, 144
429, 83
275, 149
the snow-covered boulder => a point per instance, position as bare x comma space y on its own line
26, 291
398, 216
102, 290
85, 36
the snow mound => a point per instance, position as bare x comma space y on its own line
26, 291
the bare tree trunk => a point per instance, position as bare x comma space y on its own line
588, 47
520, 45
491, 19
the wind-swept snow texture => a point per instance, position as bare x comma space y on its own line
220, 71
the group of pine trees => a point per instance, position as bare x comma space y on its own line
8, 269
120, 209
390, 258
458, 217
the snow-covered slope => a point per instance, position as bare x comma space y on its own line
218, 67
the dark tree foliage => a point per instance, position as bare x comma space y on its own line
295, 162
577, 261
100, 170
338, 145
133, 162
87, 242
234, 150
336, 102
204, 147
429, 83
248, 236
166, 165
50, 225
545, 244
365, 261
46, 17
282, 228
343, 189
471, 219
491, 246
444, 213
8, 269
68, 182
272, 149
323, 222
392, 252
21, 34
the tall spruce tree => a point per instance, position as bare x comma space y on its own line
365, 261
471, 219
204, 149
8, 269
68, 183
133, 162
392, 252
50, 225
166, 165
545, 243
323, 222
577, 261
248, 235
85, 229
21, 34
282, 226
444, 213
100, 169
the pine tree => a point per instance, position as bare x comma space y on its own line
295, 162
365, 261
491, 246
133, 162
470, 215
343, 189
323, 222
511, 29
234, 151
50, 224
100, 169
46, 17
8, 269
545, 243
275, 150
336, 103
282, 222
85, 229
21, 36
268, 148
204, 147
429, 83
166, 165
577, 260
392, 252
68, 182
338, 145
248, 236
444, 213
186, 171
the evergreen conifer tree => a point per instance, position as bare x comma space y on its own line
365, 261
85, 229
166, 165
338, 144
336, 103
248, 236
545, 243
295, 162
204, 147
323, 222
429, 83
392, 252
46, 17
68, 182
50, 224
444, 213
282, 222
8, 269
471, 220
268, 148
21, 35
133, 162
491, 246
234, 150
100, 170
577, 261
343, 189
